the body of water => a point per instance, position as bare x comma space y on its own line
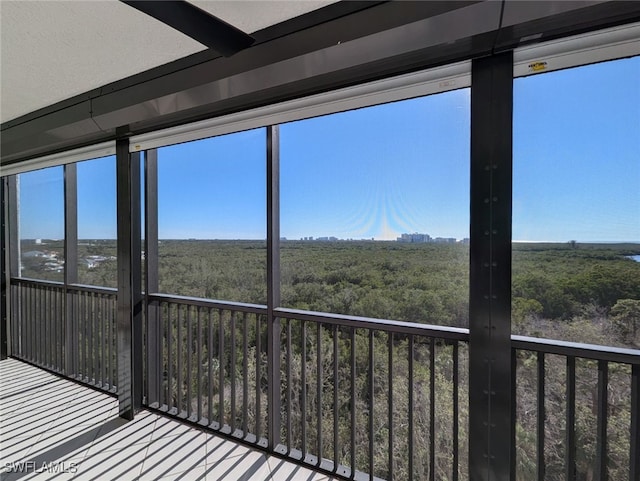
635, 258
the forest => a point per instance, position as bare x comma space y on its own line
570, 291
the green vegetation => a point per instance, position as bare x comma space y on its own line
569, 291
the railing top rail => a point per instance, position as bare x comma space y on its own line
400, 327
575, 349
209, 303
96, 289
61, 285
39, 282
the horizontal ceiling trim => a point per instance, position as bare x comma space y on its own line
95, 151
417, 84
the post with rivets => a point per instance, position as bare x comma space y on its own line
129, 312
490, 391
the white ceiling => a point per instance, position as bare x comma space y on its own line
53, 50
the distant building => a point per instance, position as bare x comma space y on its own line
414, 238
38, 241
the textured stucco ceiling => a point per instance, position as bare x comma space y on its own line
53, 50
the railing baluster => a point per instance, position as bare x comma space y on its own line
16, 315
179, 359
52, 327
336, 386
352, 342
288, 392
52, 330
32, 325
47, 327
61, 332
42, 326
570, 459
411, 406
371, 403
96, 339
90, 336
82, 333
514, 413
258, 374
199, 360
46, 341
114, 358
210, 367
390, 400
48, 331
56, 330
90, 322
103, 309
220, 369
28, 321
107, 353
87, 336
232, 351
53, 321
97, 313
541, 418
456, 410
170, 360
23, 325
432, 409
39, 327
319, 390
78, 333
52, 337
303, 375
42, 322
245, 375
53, 341
76, 345
603, 405
189, 352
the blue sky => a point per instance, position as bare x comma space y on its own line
577, 154
401, 167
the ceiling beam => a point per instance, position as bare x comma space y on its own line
196, 23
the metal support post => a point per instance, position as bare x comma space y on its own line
153, 345
129, 316
491, 420
5, 281
273, 282
13, 260
70, 267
